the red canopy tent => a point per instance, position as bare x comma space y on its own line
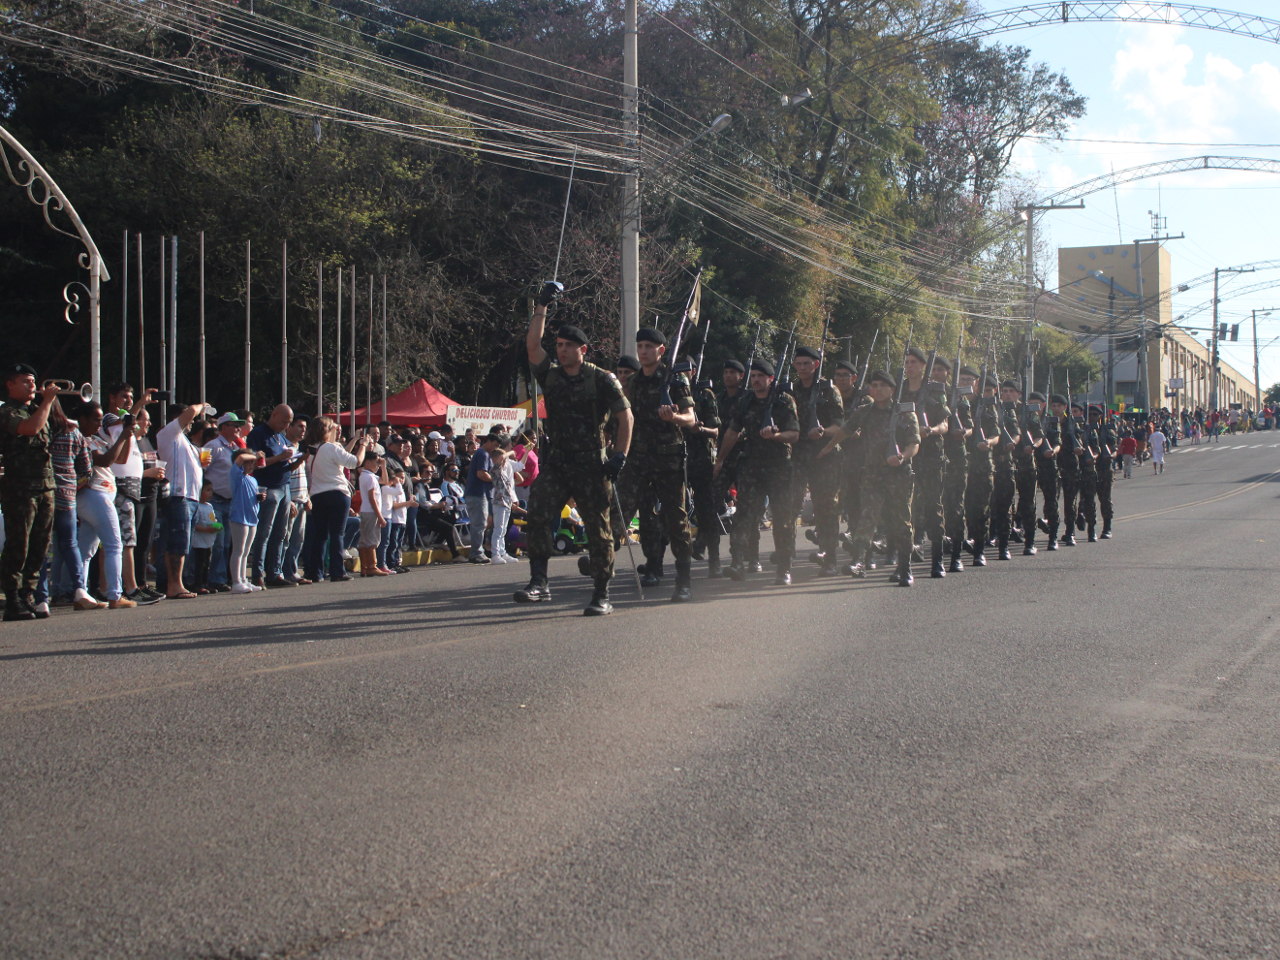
420, 404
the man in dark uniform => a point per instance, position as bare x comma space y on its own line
886, 449
955, 475
845, 379
661, 408
765, 426
1047, 467
1087, 508
932, 417
580, 399
1003, 486
1025, 450
732, 394
26, 489
818, 405
699, 443
1106, 433
982, 441
1068, 468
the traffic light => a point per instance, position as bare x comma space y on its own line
1222, 331
1235, 331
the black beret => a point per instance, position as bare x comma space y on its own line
809, 352
1094, 408
942, 362
573, 334
15, 370
847, 365
990, 382
763, 365
1058, 398
732, 364
627, 362
968, 371
651, 335
1011, 385
883, 377
1076, 405
916, 352
1036, 395
682, 366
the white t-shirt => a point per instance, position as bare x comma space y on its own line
1157, 445
132, 467
394, 493
326, 469
370, 492
101, 478
182, 461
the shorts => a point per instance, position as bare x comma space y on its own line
128, 529
370, 532
179, 515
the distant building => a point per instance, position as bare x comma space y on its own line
1098, 300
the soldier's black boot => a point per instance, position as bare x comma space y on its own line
714, 570
584, 565
783, 577
902, 576
683, 577
1106, 530
956, 566
1029, 543
599, 605
736, 571
651, 573
13, 610
1092, 536
537, 590
1068, 540
935, 562
1053, 539
1003, 545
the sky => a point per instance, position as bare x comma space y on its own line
1211, 93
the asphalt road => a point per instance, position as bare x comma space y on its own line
1067, 755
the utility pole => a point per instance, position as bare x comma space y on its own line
630, 179
1213, 369
1257, 382
1142, 389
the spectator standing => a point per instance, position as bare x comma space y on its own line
129, 478
1128, 450
145, 510
208, 526
1157, 440
26, 489
96, 503
330, 492
272, 475
396, 510
222, 450
478, 494
246, 498
504, 498
299, 507
64, 577
372, 477
186, 477
526, 452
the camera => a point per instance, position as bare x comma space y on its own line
162, 396
549, 293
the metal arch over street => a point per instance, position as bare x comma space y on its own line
1115, 11
1117, 177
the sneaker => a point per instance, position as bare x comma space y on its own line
121, 603
241, 588
41, 610
478, 558
499, 560
142, 598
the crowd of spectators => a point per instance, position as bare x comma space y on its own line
235, 504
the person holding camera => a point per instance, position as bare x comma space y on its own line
26, 488
96, 501
130, 475
581, 398
330, 493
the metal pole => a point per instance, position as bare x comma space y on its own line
124, 311
204, 395
1257, 383
1213, 361
95, 322
142, 331
284, 321
630, 179
248, 313
173, 316
319, 338
384, 346
1143, 386
1111, 343
164, 336
352, 382
337, 360
368, 378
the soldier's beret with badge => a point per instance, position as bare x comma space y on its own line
573, 334
1036, 395
916, 352
847, 365
763, 365
809, 352
651, 335
732, 364
943, 363
1078, 406
968, 371
990, 382
627, 362
14, 370
882, 377
1094, 408
1011, 385
1058, 398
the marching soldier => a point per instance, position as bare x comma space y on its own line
819, 406
886, 449
955, 474
732, 394
766, 427
1105, 431
845, 379
655, 469
581, 398
1003, 486
1028, 443
982, 442
26, 487
932, 416
1068, 469
1088, 490
1047, 469
699, 441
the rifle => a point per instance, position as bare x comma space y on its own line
866, 365
1005, 436
775, 388
894, 449
674, 353
923, 393
702, 352
983, 405
954, 392
811, 416
1070, 425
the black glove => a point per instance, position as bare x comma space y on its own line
550, 292
613, 466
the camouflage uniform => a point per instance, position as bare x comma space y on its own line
577, 409
698, 468
654, 473
886, 492
764, 472
1088, 481
728, 405
1069, 472
955, 477
819, 404
928, 465
1003, 487
27, 499
978, 488
1106, 454
1047, 477
1027, 450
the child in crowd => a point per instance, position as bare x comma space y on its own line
206, 532
243, 518
396, 509
504, 497
373, 475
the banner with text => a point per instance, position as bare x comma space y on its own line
481, 420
